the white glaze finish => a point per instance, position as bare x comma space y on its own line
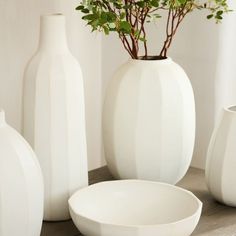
149, 121
54, 117
21, 185
135, 208
221, 159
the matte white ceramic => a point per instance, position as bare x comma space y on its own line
21, 185
221, 158
54, 117
149, 121
134, 208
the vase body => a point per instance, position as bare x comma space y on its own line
54, 117
221, 159
149, 121
21, 185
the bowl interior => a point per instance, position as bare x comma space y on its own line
134, 202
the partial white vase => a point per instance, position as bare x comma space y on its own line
54, 117
149, 121
221, 159
21, 185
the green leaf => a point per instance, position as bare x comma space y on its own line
155, 3
111, 17
181, 2
89, 17
143, 39
210, 16
80, 7
140, 4
106, 30
125, 27
218, 17
122, 15
85, 10
219, 13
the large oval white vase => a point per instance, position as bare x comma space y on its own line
149, 121
21, 185
54, 117
221, 159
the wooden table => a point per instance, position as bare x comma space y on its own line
216, 220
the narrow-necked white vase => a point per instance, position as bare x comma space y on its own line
149, 121
21, 185
54, 117
221, 158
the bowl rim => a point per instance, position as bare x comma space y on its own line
195, 214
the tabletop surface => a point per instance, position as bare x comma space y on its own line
216, 219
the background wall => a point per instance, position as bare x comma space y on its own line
19, 32
205, 50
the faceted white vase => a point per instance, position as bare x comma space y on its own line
221, 159
54, 117
21, 185
149, 121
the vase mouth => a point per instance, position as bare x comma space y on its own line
57, 14
231, 108
152, 59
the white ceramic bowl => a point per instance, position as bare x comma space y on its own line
134, 208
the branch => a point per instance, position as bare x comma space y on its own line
126, 44
173, 16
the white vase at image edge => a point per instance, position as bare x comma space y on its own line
21, 185
149, 121
54, 117
221, 159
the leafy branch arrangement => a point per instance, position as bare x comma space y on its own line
129, 17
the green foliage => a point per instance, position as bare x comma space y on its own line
129, 17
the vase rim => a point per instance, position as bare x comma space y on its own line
161, 61
57, 14
231, 109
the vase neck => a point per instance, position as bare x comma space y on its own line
53, 33
2, 118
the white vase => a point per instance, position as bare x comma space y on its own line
21, 185
149, 121
221, 159
54, 117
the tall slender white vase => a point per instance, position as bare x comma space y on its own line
149, 121
221, 159
54, 117
21, 185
